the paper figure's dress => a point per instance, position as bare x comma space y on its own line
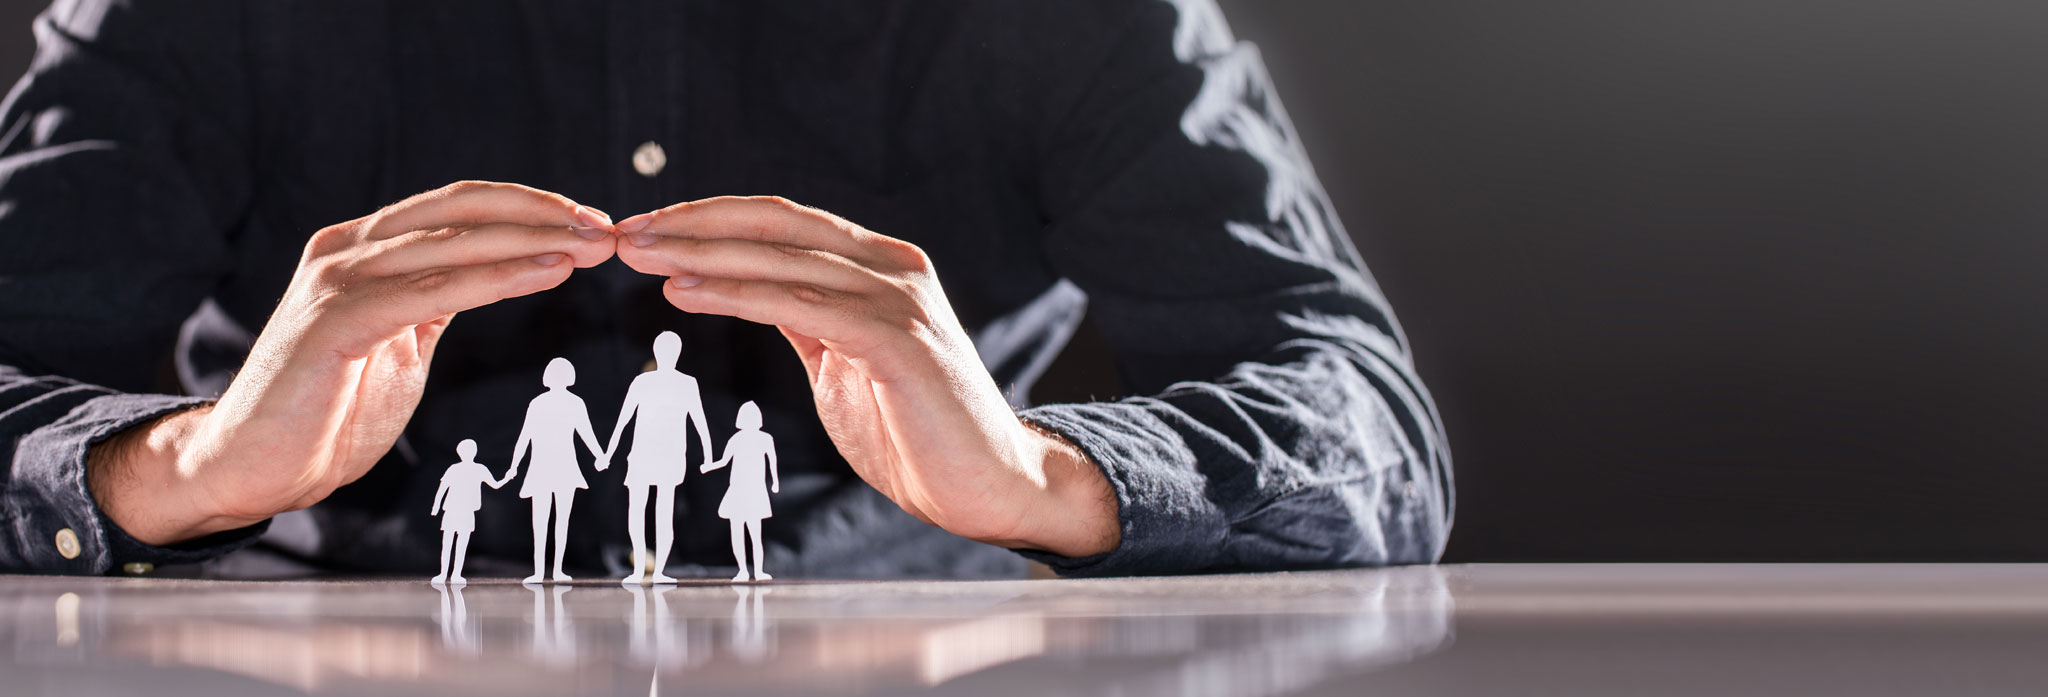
747, 496
660, 428
458, 511
554, 467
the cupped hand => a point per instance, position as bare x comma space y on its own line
337, 371
896, 381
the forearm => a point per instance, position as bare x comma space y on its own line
1074, 510
49, 430
144, 482
1318, 458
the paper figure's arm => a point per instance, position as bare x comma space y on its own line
519, 452
588, 434
439, 494
774, 477
625, 414
697, 417
720, 462
497, 483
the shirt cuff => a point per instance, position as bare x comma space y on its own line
1169, 523
59, 526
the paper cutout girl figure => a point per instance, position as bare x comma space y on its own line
746, 499
662, 403
456, 501
553, 422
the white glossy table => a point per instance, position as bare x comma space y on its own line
1472, 630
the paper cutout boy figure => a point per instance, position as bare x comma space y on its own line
553, 422
662, 403
456, 501
746, 499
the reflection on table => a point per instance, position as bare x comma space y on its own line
1229, 635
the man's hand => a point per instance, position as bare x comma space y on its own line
337, 371
897, 382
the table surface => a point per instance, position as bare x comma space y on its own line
1483, 629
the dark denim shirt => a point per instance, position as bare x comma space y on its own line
163, 163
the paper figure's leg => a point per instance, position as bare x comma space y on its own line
739, 549
754, 528
447, 540
461, 552
540, 538
636, 523
664, 533
564, 502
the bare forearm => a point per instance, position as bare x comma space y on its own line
139, 482
1076, 511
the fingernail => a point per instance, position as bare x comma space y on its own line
635, 223
640, 239
593, 217
686, 281
591, 233
549, 259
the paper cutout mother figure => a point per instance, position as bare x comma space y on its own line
662, 403
553, 422
746, 499
460, 495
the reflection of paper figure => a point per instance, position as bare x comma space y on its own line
456, 501
746, 499
456, 633
750, 639
661, 640
553, 639
663, 403
553, 422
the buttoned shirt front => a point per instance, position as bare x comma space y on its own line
163, 163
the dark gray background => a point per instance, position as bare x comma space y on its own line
1717, 280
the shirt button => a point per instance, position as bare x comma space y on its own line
649, 159
67, 543
137, 568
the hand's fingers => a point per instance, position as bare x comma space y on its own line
747, 260
429, 336
849, 320
808, 350
474, 203
777, 220
378, 307
448, 247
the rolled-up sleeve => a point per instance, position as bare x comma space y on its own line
1284, 425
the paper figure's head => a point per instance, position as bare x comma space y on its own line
467, 449
666, 348
750, 417
560, 374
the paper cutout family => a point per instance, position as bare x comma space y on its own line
662, 404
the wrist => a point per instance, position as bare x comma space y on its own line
1076, 515
138, 479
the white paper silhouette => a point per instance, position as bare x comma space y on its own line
746, 498
457, 501
553, 422
662, 403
